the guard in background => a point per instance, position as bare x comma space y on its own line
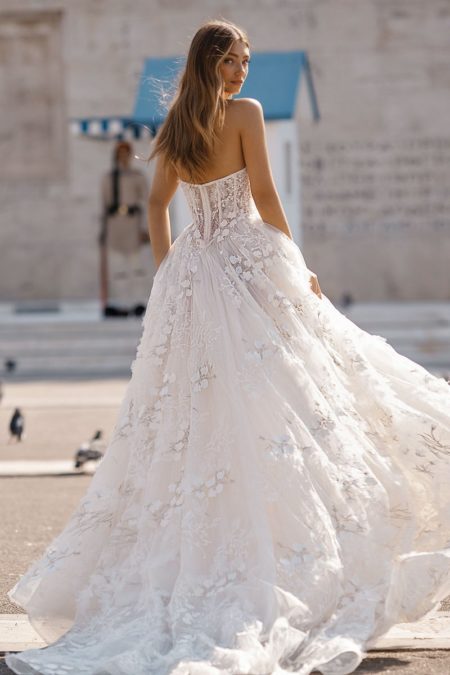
126, 260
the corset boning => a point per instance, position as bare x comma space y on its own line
216, 206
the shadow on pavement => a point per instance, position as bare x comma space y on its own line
380, 664
404, 663
4, 670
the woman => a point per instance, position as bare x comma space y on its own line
275, 494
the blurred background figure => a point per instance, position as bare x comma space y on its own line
124, 231
17, 425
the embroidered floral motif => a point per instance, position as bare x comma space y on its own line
125, 422
161, 347
186, 284
201, 377
296, 555
262, 350
162, 511
212, 486
175, 450
324, 420
278, 299
282, 445
229, 286
224, 229
434, 444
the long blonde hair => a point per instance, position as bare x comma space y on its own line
187, 138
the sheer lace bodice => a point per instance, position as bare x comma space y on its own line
216, 205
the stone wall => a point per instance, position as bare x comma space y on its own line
375, 170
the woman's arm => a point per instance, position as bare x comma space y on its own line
164, 184
254, 146
265, 194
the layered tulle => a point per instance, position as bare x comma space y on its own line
275, 493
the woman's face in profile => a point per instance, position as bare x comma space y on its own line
234, 68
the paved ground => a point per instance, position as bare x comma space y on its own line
390, 663
59, 416
33, 511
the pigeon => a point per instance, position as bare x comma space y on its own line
90, 450
110, 310
347, 299
10, 365
17, 425
138, 310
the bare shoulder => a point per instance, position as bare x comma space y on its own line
246, 111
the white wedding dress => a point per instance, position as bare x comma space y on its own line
275, 494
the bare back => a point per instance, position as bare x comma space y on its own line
229, 156
242, 144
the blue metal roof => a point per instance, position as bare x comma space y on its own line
274, 79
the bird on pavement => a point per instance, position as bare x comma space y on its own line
90, 450
17, 425
10, 365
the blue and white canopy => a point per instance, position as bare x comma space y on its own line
274, 79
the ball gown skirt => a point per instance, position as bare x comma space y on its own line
275, 494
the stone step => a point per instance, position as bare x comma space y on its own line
40, 338
399, 313
114, 365
407, 313
77, 345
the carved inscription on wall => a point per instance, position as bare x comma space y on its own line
32, 122
369, 186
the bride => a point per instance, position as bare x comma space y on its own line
275, 493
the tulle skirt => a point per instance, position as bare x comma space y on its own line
275, 495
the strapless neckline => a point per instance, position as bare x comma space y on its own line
216, 180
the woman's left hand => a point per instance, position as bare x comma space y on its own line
314, 283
